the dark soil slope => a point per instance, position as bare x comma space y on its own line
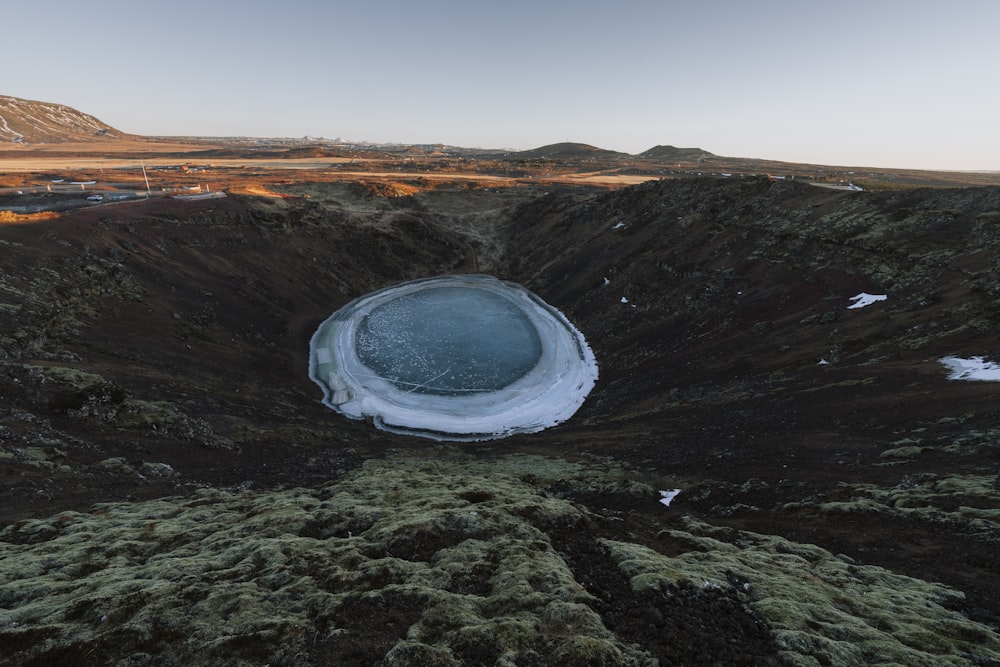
838, 500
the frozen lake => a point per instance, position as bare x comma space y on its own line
453, 358
448, 340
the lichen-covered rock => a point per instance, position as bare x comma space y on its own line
970, 502
448, 562
822, 609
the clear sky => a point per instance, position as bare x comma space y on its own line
881, 83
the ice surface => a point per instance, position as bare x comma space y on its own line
448, 340
974, 368
453, 358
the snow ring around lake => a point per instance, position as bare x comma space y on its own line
459, 358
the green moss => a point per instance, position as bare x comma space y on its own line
141, 414
966, 501
822, 609
975, 443
496, 635
267, 576
71, 377
586, 652
907, 452
408, 653
116, 464
208, 570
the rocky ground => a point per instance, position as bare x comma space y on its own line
174, 492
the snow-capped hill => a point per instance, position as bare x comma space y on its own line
31, 122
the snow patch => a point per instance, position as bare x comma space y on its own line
866, 299
973, 368
667, 497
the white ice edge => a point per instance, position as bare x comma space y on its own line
973, 368
548, 395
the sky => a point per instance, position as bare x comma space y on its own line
879, 83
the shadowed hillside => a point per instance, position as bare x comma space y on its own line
175, 492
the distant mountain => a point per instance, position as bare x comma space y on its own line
568, 150
31, 122
674, 153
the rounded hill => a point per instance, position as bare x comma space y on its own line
674, 153
569, 150
33, 122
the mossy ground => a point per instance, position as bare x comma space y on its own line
448, 561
